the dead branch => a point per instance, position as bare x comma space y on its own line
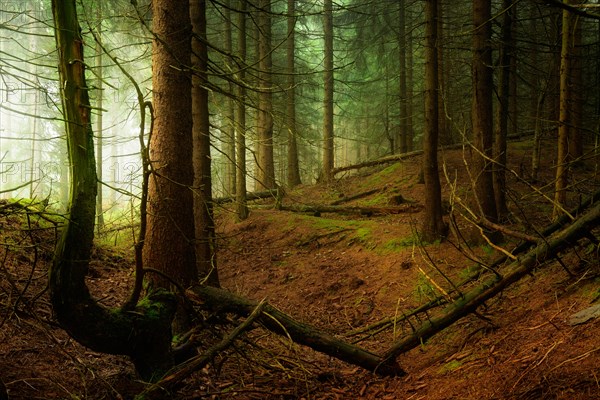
220, 300
471, 300
390, 159
182, 371
368, 211
385, 323
379, 161
347, 199
267, 194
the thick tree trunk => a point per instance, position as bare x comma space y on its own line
203, 208
433, 225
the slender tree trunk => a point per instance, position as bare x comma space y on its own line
99, 122
564, 121
482, 115
502, 112
444, 135
203, 207
402, 66
513, 101
230, 169
169, 244
433, 224
328, 135
240, 139
266, 167
577, 91
409, 85
293, 168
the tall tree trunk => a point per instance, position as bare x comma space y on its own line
402, 66
203, 207
577, 93
564, 121
99, 121
240, 137
293, 168
230, 169
328, 151
409, 84
266, 166
433, 224
502, 112
169, 244
482, 114
443, 133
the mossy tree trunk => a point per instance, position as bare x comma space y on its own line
144, 335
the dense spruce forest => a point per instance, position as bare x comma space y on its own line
299, 199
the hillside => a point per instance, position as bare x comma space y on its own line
341, 272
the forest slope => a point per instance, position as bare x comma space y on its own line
340, 272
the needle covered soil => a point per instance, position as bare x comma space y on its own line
347, 272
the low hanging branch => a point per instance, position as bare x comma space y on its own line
221, 301
471, 300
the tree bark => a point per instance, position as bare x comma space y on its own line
502, 112
99, 121
433, 225
293, 168
240, 137
564, 122
204, 226
266, 167
482, 115
169, 245
402, 78
328, 135
229, 130
145, 333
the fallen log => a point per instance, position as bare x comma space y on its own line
266, 194
379, 161
346, 199
522, 247
220, 300
391, 158
470, 301
368, 211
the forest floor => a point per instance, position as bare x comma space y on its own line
339, 272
